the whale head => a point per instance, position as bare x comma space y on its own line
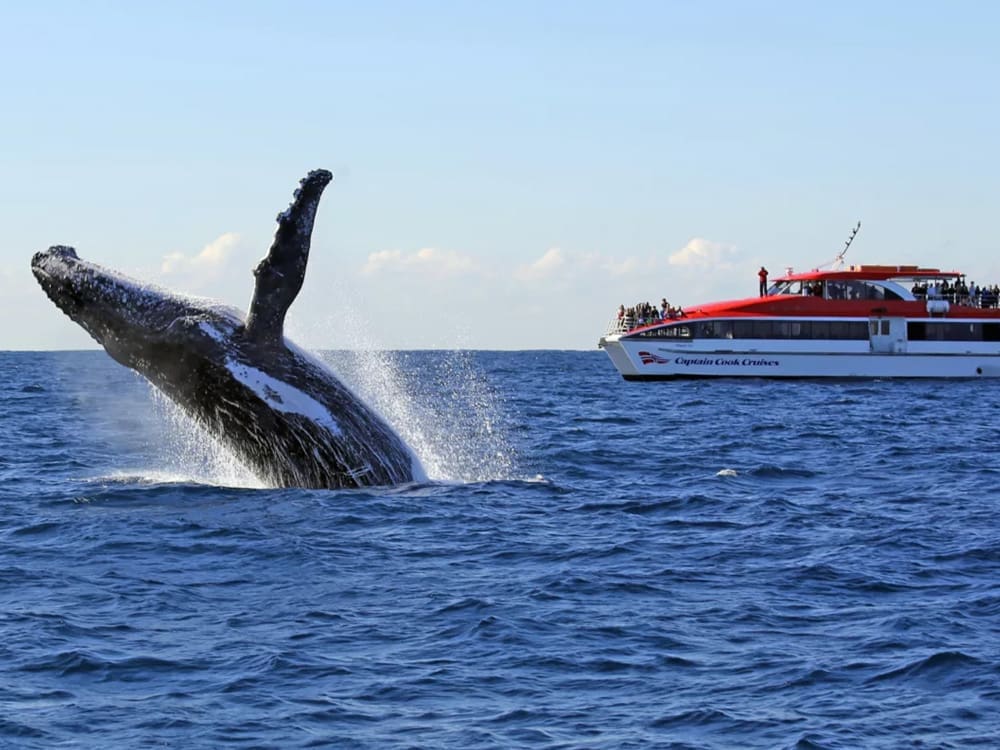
124, 315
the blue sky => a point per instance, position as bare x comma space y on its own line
506, 173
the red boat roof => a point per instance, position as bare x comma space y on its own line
872, 272
806, 305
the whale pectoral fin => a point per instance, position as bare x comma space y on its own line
281, 273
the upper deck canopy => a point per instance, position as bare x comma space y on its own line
872, 273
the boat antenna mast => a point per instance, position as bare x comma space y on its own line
838, 262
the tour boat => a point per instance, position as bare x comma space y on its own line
859, 321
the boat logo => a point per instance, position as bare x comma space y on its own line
648, 358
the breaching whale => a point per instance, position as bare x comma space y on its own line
282, 413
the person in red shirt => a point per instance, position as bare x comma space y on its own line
762, 275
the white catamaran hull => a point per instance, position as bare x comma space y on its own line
652, 360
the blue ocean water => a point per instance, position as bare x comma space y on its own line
700, 564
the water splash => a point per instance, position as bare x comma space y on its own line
187, 452
439, 402
442, 406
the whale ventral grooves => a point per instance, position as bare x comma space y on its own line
280, 274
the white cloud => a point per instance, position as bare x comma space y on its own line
705, 254
209, 262
556, 262
552, 262
428, 261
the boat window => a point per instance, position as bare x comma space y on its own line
885, 327
772, 329
836, 290
850, 329
970, 331
787, 287
804, 329
839, 289
863, 290
952, 331
713, 329
858, 330
664, 332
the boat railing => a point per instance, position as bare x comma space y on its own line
628, 323
985, 299
619, 325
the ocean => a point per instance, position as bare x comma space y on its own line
593, 564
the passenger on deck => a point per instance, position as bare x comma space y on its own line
988, 297
762, 276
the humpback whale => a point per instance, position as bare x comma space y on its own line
281, 412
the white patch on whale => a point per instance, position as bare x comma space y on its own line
283, 397
212, 332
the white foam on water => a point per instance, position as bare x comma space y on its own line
190, 453
148, 477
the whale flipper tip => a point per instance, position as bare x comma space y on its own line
280, 274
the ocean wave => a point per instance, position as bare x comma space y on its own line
609, 590
772, 471
942, 667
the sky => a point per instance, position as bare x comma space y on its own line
506, 174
